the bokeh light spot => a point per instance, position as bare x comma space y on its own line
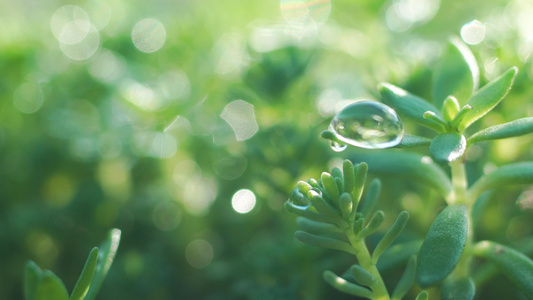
473, 33
28, 98
240, 116
148, 35
199, 253
166, 216
243, 201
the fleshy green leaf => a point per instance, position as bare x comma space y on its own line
84, 281
371, 198
306, 212
448, 147
457, 73
373, 225
362, 276
443, 245
330, 186
390, 235
486, 98
407, 280
462, 288
514, 128
106, 255
513, 264
408, 105
423, 295
412, 141
359, 185
32, 277
519, 173
51, 288
324, 242
410, 166
349, 176
347, 287
398, 254
450, 108
322, 206
315, 227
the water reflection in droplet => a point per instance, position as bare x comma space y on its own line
240, 116
368, 124
28, 97
337, 147
148, 35
473, 33
243, 201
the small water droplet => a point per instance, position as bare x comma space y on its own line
337, 147
367, 124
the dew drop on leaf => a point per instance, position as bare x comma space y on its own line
367, 124
337, 147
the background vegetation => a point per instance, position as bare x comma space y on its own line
107, 122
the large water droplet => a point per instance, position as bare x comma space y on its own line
368, 124
337, 147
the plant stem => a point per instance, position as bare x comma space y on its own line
460, 196
365, 260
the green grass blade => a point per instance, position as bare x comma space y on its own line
519, 173
84, 281
347, 287
457, 73
514, 128
486, 98
443, 245
51, 288
448, 147
106, 255
32, 278
461, 288
512, 263
408, 105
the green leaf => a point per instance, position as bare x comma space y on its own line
406, 281
513, 264
408, 105
362, 276
84, 281
106, 255
371, 198
462, 288
51, 288
390, 235
32, 277
450, 108
514, 128
486, 98
346, 205
423, 295
373, 225
398, 254
411, 141
315, 227
324, 242
359, 185
347, 287
448, 147
306, 212
330, 186
443, 245
349, 179
519, 173
457, 73
409, 166
323, 207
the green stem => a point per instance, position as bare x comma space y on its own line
365, 260
460, 196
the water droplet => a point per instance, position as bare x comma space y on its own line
337, 147
367, 124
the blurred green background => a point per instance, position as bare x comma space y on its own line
186, 124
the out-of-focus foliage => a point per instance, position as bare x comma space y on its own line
186, 124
